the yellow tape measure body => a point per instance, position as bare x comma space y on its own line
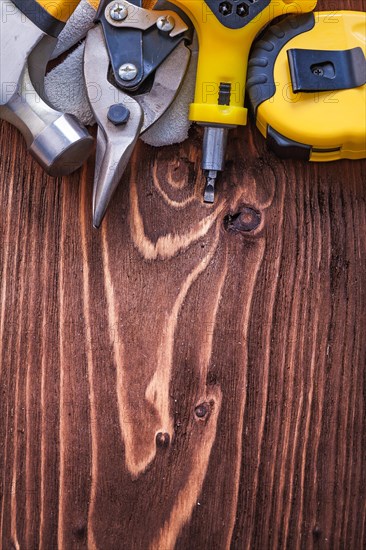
329, 124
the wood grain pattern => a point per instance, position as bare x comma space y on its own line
180, 379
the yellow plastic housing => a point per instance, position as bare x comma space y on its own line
59, 9
324, 120
223, 57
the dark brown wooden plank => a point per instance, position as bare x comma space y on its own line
111, 339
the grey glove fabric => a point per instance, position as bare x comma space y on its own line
76, 28
66, 90
174, 125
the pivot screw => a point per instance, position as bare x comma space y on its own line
127, 71
118, 12
165, 23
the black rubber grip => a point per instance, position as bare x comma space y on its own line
235, 14
40, 17
260, 82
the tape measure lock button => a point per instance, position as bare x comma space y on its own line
286, 148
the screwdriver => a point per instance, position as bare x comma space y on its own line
226, 30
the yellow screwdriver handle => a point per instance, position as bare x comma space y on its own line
49, 15
224, 51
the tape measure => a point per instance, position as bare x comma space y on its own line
307, 86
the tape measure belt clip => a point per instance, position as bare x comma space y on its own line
326, 70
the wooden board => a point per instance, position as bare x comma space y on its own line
188, 376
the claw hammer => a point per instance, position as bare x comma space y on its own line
226, 30
28, 35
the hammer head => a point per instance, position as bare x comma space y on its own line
56, 140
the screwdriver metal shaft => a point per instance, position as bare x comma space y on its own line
213, 157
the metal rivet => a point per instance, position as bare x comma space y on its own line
127, 71
162, 439
118, 12
202, 410
165, 23
118, 114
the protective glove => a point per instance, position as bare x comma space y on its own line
66, 89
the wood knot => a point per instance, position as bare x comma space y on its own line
162, 439
80, 530
247, 219
317, 532
202, 411
211, 379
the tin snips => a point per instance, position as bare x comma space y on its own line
134, 63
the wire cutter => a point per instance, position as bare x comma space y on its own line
134, 63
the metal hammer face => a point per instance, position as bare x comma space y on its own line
56, 140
